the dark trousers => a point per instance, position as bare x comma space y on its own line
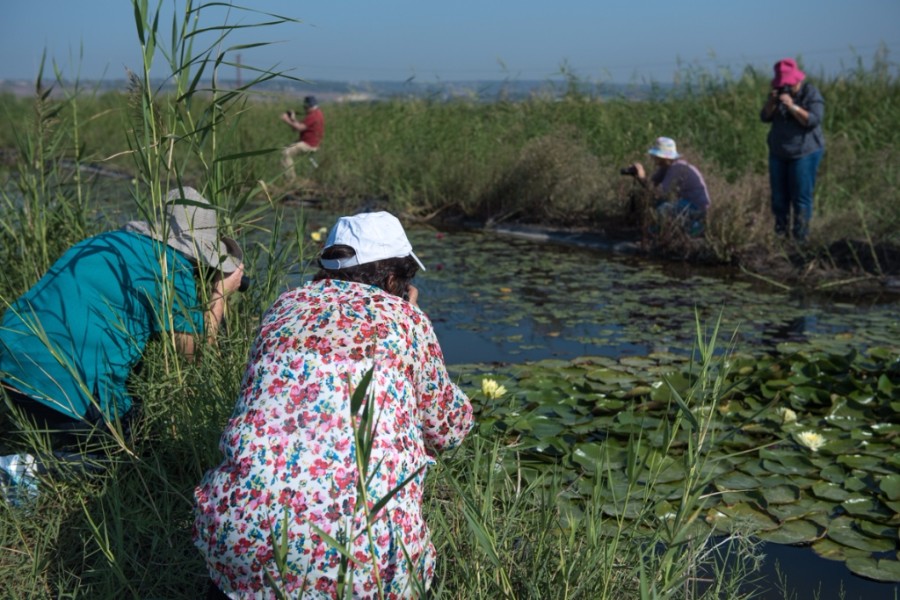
78, 443
793, 183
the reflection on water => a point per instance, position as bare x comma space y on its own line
507, 299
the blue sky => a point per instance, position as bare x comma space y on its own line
358, 40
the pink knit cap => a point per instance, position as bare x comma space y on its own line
787, 73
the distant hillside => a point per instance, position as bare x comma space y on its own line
373, 91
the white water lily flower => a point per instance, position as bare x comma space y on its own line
786, 414
811, 440
492, 389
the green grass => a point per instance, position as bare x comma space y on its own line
541, 160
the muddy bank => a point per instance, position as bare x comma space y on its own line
845, 267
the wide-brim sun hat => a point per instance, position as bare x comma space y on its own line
191, 228
664, 147
787, 73
373, 236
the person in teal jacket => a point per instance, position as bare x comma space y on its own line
69, 344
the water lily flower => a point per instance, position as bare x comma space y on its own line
811, 440
492, 389
787, 415
319, 235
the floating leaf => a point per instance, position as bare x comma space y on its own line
793, 532
879, 570
865, 462
780, 494
746, 517
832, 550
866, 507
890, 485
831, 491
843, 531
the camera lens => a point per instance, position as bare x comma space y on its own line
245, 283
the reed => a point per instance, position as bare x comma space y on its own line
544, 160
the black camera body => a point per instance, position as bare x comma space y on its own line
786, 89
629, 170
245, 283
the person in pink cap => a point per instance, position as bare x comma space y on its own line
298, 480
795, 109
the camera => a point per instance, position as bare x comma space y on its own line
245, 283
629, 170
785, 89
290, 113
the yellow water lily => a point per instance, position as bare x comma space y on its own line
492, 389
811, 440
319, 234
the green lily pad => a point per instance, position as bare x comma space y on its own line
843, 531
780, 494
890, 485
610, 376
743, 516
833, 472
827, 548
789, 466
591, 456
793, 532
831, 491
879, 570
868, 508
807, 508
736, 480
865, 462
878, 529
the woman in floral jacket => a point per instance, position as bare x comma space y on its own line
313, 498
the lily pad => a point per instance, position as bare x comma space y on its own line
843, 531
880, 570
780, 494
890, 485
827, 548
831, 491
793, 532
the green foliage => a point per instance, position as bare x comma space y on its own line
541, 160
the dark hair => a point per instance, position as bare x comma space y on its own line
381, 273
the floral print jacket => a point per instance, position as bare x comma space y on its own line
284, 509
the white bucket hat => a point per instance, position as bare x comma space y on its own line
192, 230
664, 147
373, 236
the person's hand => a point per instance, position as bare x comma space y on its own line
639, 171
787, 100
287, 118
224, 285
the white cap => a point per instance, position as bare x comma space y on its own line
373, 236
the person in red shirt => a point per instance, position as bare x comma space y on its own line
311, 130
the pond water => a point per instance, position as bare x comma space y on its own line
504, 299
